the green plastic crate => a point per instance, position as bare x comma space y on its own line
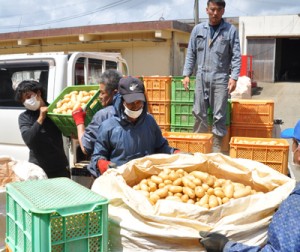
65, 122
179, 94
55, 215
181, 114
228, 114
182, 129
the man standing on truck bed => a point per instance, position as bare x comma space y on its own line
39, 133
213, 48
87, 136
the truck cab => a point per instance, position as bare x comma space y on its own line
55, 71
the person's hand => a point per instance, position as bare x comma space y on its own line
79, 116
186, 82
231, 85
103, 165
213, 242
43, 114
182, 152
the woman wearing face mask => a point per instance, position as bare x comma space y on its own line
131, 133
294, 164
39, 133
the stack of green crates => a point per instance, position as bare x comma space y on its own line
182, 101
55, 215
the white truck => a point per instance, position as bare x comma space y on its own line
55, 71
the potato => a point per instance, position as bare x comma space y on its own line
197, 188
178, 182
188, 183
228, 190
174, 198
156, 179
219, 192
173, 176
242, 192
184, 198
163, 175
204, 200
152, 186
200, 175
189, 192
190, 201
197, 181
144, 187
199, 191
154, 198
213, 201
162, 192
175, 189
73, 101
168, 182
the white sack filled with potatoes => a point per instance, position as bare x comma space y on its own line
161, 202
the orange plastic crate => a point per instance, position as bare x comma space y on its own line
165, 127
190, 142
270, 151
252, 111
160, 111
158, 88
251, 130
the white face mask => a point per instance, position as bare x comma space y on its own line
133, 114
32, 103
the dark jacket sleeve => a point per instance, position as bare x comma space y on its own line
29, 128
101, 150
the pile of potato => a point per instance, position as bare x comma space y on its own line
257, 142
73, 101
196, 187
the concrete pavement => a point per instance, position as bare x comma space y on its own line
286, 96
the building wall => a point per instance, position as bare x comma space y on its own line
262, 38
268, 26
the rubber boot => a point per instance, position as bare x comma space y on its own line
217, 143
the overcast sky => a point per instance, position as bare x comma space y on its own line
22, 15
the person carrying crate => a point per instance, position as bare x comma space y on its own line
39, 132
87, 136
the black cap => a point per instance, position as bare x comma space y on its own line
132, 89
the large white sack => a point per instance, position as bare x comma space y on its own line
243, 88
12, 170
136, 225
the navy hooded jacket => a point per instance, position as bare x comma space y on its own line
120, 140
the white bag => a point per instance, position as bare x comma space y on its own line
243, 88
136, 225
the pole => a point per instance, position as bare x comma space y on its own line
196, 12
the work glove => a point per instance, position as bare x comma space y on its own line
103, 165
182, 152
79, 116
213, 242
